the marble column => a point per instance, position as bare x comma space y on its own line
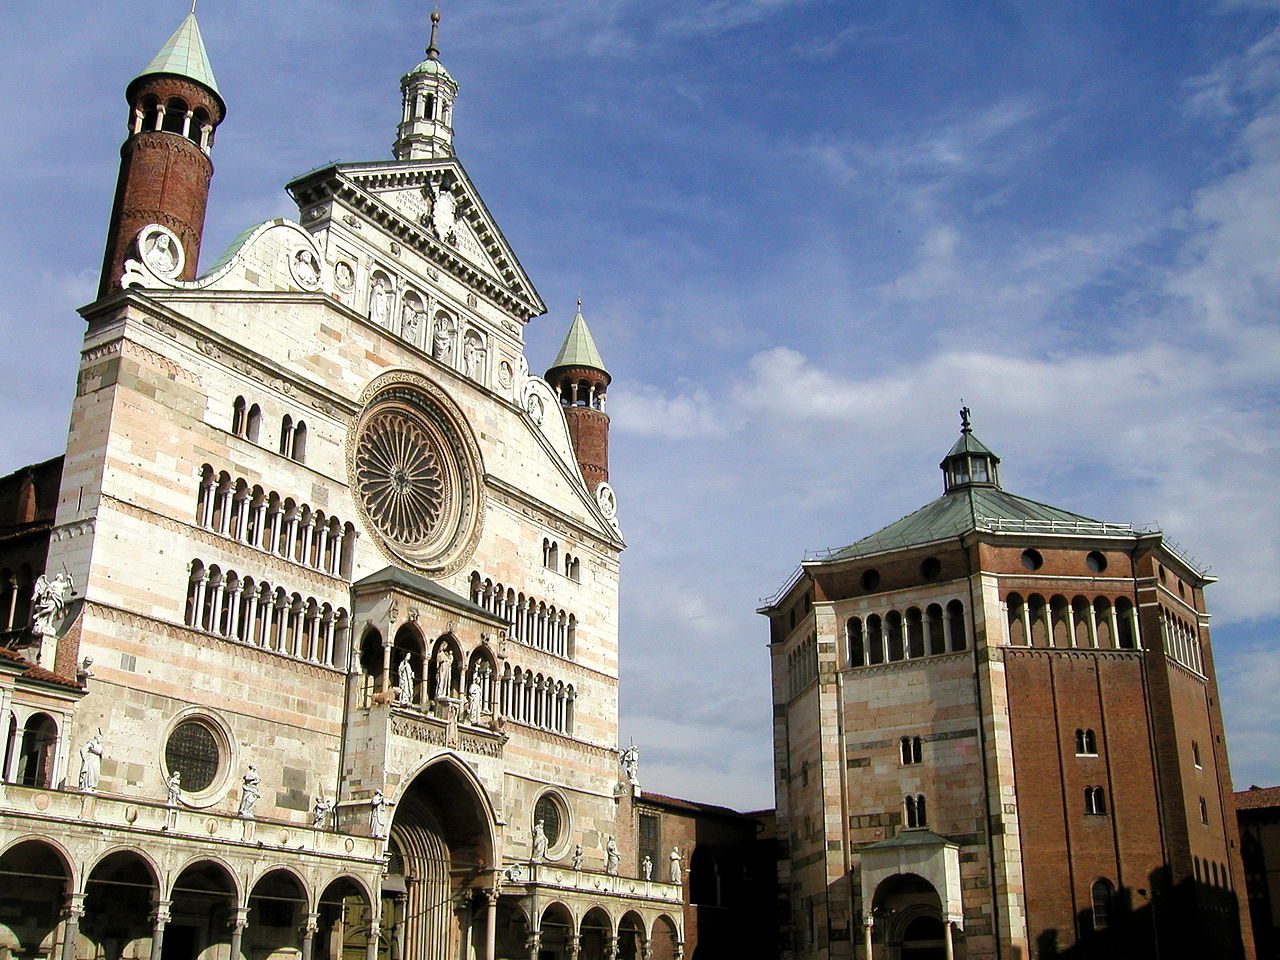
71, 925
160, 919
309, 935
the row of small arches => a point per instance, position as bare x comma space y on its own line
246, 422
1080, 622
532, 621
174, 116
280, 526
905, 635
802, 664
256, 613
1212, 872
572, 566
1180, 640
523, 696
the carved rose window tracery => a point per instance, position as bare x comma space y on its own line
400, 480
416, 472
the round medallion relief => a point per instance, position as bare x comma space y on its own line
416, 470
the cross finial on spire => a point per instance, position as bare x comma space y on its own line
433, 52
965, 425
193, 7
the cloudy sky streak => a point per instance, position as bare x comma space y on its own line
803, 229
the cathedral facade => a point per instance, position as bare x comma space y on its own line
324, 659
997, 734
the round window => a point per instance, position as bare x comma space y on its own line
1031, 559
931, 569
415, 469
192, 752
871, 580
548, 811
1095, 561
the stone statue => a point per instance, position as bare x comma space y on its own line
442, 342
377, 808
611, 857
577, 856
539, 842
320, 813
675, 865
472, 354
175, 788
305, 268
91, 763
49, 603
646, 867
379, 302
160, 254
444, 673
84, 673
250, 791
474, 705
630, 759
410, 317
405, 681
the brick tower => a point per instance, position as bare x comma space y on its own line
998, 735
579, 376
174, 109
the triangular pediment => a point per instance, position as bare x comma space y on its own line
434, 204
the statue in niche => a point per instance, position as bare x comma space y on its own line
577, 856
405, 681
91, 763
305, 269
377, 810
646, 867
612, 858
410, 317
474, 705
442, 342
174, 785
49, 603
444, 672
343, 275
539, 842
473, 354
630, 760
321, 812
380, 301
444, 214
250, 791
675, 865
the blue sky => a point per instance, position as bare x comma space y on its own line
803, 230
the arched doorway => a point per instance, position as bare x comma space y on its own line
120, 897
908, 911
441, 846
631, 937
204, 902
594, 934
664, 940
554, 931
344, 919
277, 906
35, 879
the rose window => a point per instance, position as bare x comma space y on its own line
400, 479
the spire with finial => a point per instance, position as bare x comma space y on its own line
426, 123
433, 51
578, 375
969, 462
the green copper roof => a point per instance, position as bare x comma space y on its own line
976, 508
968, 443
579, 349
184, 55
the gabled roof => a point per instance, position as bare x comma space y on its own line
975, 508
396, 576
1257, 798
911, 837
33, 672
579, 348
184, 55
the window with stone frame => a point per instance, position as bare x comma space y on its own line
911, 750
649, 836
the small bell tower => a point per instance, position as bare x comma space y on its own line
426, 122
579, 376
174, 109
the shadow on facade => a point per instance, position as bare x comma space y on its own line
1192, 919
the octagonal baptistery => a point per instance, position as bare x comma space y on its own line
998, 729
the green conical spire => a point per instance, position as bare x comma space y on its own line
579, 348
184, 55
